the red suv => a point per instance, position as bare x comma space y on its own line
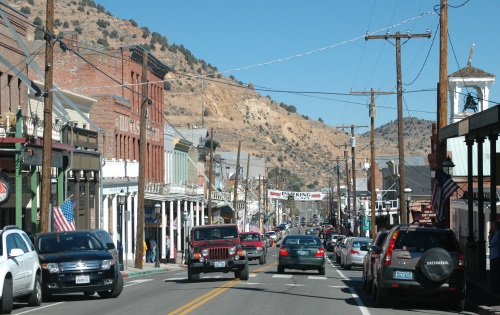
418, 261
254, 246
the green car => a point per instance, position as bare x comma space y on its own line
302, 252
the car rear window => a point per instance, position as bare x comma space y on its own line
358, 244
249, 237
421, 241
301, 241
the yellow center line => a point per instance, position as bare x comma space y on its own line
189, 307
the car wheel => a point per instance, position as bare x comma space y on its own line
244, 273
458, 304
347, 267
365, 283
116, 291
35, 298
322, 271
337, 259
380, 298
281, 269
7, 301
194, 276
262, 259
436, 264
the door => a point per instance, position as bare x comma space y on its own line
17, 265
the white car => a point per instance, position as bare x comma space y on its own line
20, 272
272, 236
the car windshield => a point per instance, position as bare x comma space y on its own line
56, 243
301, 241
249, 237
217, 233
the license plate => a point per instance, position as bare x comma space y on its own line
404, 275
302, 252
82, 279
219, 264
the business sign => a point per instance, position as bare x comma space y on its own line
427, 216
294, 195
5, 191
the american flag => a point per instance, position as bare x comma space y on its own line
254, 227
443, 188
64, 219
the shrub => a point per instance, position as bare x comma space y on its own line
38, 21
102, 41
31, 2
102, 23
81, 8
65, 24
167, 86
79, 30
26, 10
134, 23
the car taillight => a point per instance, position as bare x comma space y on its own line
388, 255
283, 251
320, 252
352, 251
461, 258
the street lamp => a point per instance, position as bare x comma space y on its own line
206, 219
448, 166
407, 193
157, 211
121, 202
388, 208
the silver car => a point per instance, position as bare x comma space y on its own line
354, 251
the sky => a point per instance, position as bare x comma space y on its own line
313, 54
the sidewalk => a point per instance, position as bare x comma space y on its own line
481, 297
149, 268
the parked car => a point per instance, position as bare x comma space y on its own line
310, 231
302, 252
20, 271
339, 246
418, 261
329, 239
266, 240
369, 259
254, 246
77, 261
356, 248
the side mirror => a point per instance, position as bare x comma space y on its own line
15, 252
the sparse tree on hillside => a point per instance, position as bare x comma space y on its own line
134, 23
26, 10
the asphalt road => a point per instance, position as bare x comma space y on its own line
266, 292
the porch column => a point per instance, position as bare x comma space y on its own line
191, 213
171, 230
481, 243
493, 179
203, 213
163, 231
179, 243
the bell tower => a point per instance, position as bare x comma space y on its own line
469, 90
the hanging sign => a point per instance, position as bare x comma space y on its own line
294, 195
5, 191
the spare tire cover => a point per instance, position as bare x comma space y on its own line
436, 264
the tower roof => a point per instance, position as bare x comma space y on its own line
471, 72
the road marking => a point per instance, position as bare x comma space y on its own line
282, 276
40, 307
338, 286
361, 306
295, 284
134, 282
175, 279
316, 278
185, 309
191, 306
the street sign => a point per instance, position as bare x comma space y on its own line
367, 223
427, 216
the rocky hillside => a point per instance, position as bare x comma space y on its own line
267, 129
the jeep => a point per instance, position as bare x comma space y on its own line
216, 248
254, 246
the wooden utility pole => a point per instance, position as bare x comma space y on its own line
246, 192
339, 212
398, 36
442, 116
139, 247
260, 215
235, 198
353, 163
372, 111
210, 175
47, 120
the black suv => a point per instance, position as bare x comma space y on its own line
77, 261
417, 261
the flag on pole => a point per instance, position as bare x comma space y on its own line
64, 219
443, 188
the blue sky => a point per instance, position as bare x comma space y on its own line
315, 52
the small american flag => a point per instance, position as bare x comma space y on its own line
64, 219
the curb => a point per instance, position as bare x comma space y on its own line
132, 274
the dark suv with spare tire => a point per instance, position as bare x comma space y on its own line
418, 261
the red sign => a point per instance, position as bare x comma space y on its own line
427, 216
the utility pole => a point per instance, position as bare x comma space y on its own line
235, 198
398, 36
339, 212
353, 163
372, 111
142, 164
202, 102
47, 120
260, 217
442, 110
210, 176
246, 192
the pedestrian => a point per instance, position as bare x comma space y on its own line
145, 249
152, 246
494, 240
148, 250
167, 248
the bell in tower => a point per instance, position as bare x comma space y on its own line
470, 103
